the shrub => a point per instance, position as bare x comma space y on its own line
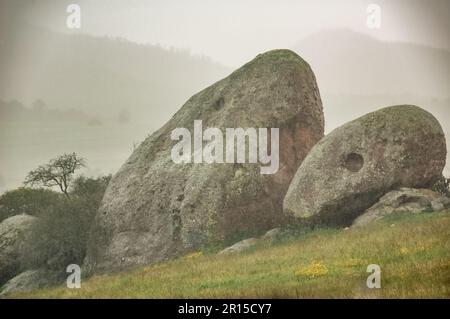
442, 186
90, 188
35, 202
59, 237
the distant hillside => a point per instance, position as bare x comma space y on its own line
100, 75
347, 62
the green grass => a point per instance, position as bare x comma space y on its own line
412, 250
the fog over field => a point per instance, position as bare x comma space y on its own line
101, 89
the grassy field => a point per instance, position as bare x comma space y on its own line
412, 250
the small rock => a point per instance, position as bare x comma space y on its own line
31, 280
272, 234
239, 246
437, 206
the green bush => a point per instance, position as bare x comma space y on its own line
59, 237
442, 186
35, 202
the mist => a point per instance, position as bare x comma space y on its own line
101, 89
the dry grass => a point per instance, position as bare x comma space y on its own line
413, 252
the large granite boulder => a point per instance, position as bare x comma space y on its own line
155, 209
13, 231
357, 163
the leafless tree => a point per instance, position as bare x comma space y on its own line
57, 172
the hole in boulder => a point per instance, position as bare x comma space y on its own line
353, 162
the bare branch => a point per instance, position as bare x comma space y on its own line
58, 172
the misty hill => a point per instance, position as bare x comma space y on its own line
347, 62
99, 96
100, 75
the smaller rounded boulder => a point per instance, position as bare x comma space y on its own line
12, 234
357, 163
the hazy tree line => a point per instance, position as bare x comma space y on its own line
38, 111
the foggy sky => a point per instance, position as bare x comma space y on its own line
230, 32
234, 31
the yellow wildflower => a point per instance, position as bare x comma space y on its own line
404, 251
314, 270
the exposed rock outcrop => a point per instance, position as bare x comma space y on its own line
270, 237
12, 234
31, 280
404, 200
357, 163
239, 246
273, 235
155, 209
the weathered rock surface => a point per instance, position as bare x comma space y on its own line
357, 163
239, 246
31, 280
404, 200
272, 235
12, 234
155, 209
